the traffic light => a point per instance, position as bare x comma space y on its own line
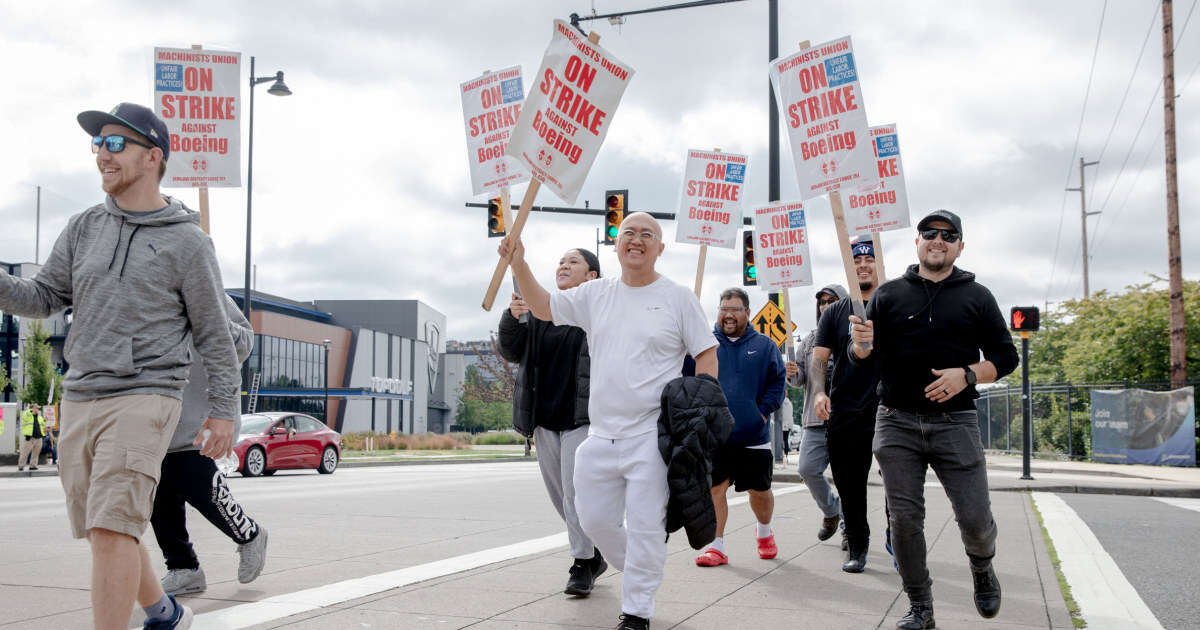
1024, 318
495, 218
616, 201
749, 271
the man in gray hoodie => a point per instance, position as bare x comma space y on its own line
193, 479
814, 452
146, 288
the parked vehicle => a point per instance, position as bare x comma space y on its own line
281, 440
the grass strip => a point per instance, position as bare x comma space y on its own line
1072, 605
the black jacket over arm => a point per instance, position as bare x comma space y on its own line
694, 421
517, 343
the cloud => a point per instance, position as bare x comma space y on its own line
360, 177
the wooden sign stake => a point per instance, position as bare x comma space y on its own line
489, 298
203, 187
880, 272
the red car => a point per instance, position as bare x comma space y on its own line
278, 440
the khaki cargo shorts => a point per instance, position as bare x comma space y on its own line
109, 459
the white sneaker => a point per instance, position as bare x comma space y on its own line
184, 581
254, 557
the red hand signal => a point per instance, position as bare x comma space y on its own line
1018, 319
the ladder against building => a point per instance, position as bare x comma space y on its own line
253, 393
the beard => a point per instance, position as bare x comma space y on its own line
865, 285
936, 267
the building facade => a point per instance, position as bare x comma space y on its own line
380, 362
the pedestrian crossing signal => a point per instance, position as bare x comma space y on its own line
1024, 318
749, 271
495, 218
616, 201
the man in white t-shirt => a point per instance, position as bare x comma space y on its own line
640, 326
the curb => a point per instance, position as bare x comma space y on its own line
1181, 492
473, 460
430, 462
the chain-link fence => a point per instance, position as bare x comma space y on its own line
1061, 416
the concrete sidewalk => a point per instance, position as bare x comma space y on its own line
1004, 474
802, 588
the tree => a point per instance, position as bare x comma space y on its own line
4, 382
1113, 336
41, 377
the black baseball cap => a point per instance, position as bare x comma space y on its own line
941, 215
138, 118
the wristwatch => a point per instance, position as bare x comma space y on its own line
971, 378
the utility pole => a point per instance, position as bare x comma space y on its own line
1083, 215
1174, 256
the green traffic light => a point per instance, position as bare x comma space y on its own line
751, 271
612, 231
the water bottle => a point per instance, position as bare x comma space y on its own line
228, 464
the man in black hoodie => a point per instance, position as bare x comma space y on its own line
926, 332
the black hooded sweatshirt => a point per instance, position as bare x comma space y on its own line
922, 325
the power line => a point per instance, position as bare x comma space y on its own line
1074, 150
1121, 107
1128, 194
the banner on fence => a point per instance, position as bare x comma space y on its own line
1136, 426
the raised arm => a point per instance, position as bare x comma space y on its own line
536, 297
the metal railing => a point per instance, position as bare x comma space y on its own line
1061, 416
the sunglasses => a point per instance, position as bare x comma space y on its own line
949, 236
115, 143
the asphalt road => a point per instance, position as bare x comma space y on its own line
1157, 547
323, 528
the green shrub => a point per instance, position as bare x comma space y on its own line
499, 437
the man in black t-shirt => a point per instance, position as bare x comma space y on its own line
550, 404
926, 332
850, 409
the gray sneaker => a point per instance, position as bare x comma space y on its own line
254, 557
184, 581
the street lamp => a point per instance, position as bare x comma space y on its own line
326, 344
278, 89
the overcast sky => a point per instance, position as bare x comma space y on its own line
361, 175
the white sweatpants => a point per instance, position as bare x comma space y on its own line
621, 498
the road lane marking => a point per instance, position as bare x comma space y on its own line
1106, 598
289, 604
1187, 504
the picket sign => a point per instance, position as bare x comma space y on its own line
703, 253
518, 224
505, 207
839, 222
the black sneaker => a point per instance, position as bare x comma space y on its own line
33, 468
582, 579
987, 591
919, 617
599, 566
633, 622
856, 560
829, 527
